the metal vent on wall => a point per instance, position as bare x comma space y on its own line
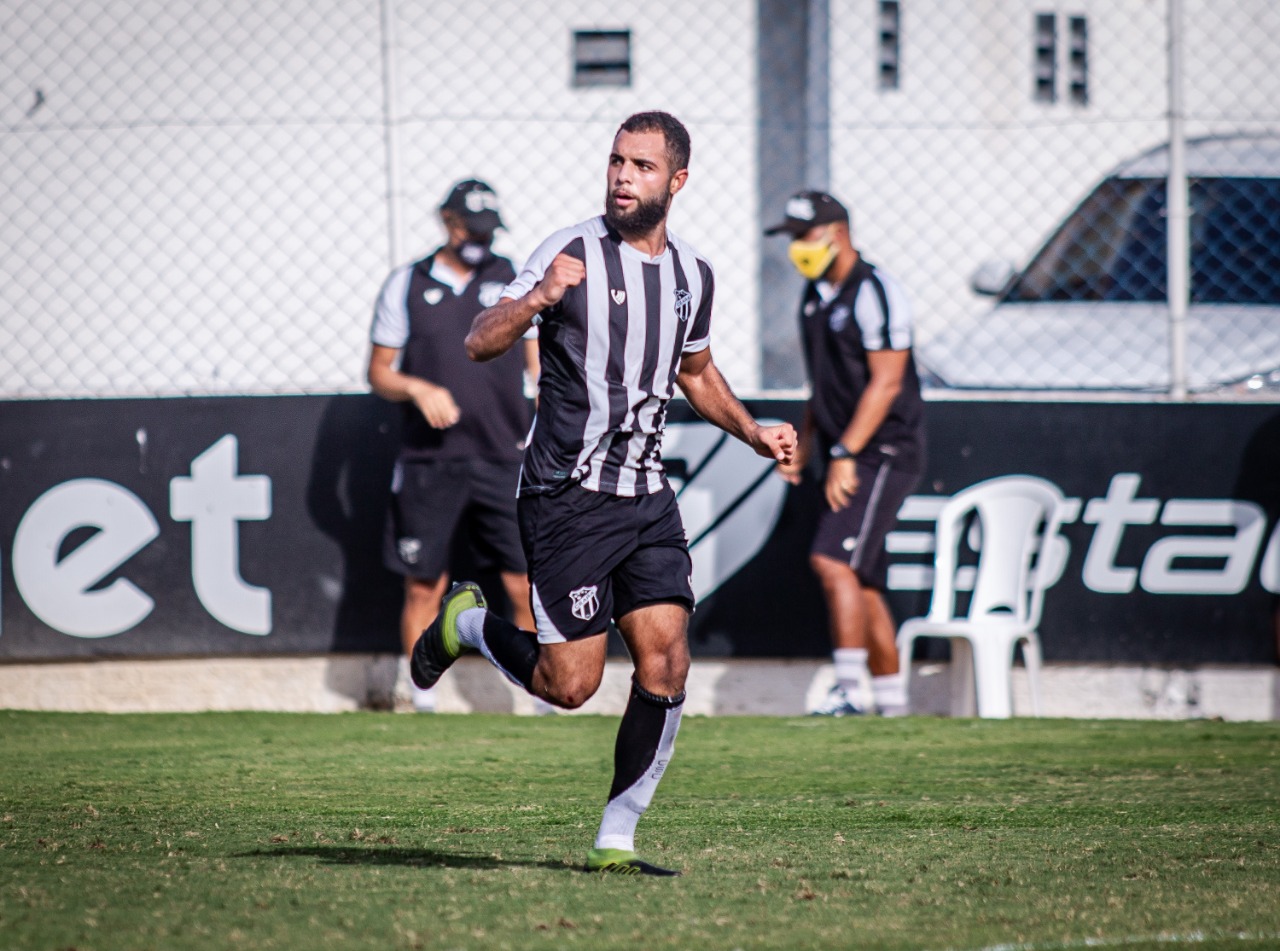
602, 58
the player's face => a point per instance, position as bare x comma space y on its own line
640, 182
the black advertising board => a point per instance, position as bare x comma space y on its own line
233, 526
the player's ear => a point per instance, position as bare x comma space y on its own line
678, 180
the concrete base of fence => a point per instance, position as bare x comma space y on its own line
336, 683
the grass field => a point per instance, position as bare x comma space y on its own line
398, 832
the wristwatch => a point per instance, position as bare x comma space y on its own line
840, 451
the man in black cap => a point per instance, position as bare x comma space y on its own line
866, 418
464, 423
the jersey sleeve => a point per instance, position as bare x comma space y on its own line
883, 312
536, 267
699, 335
391, 313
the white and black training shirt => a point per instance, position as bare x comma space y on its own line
425, 311
610, 352
869, 311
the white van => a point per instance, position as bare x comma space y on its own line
1089, 311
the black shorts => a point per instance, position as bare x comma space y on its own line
855, 534
594, 557
432, 501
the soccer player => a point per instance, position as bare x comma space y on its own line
868, 417
464, 425
623, 308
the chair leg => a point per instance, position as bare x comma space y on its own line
905, 650
992, 663
963, 681
1031, 657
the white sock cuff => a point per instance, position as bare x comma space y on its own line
851, 665
625, 842
889, 690
471, 627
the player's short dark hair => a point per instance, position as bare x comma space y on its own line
672, 130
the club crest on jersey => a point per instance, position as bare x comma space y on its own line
618, 296
490, 293
684, 304
433, 295
839, 317
585, 603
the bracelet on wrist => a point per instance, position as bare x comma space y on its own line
840, 451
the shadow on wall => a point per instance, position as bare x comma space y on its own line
1259, 482
347, 495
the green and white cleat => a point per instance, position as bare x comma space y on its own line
622, 862
439, 647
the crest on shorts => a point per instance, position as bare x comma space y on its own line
585, 603
409, 548
684, 303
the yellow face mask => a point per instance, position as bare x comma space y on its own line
812, 258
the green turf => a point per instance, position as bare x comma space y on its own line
381, 831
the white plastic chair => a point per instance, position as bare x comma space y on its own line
1014, 568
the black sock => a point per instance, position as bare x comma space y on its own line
646, 740
511, 650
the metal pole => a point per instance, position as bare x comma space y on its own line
1179, 214
391, 128
817, 139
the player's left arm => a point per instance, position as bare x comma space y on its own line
708, 393
886, 368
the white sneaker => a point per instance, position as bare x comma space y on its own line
408, 697
837, 704
424, 701
542, 708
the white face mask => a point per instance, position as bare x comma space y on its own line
473, 253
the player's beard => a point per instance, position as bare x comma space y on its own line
641, 219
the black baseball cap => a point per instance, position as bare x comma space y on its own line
806, 209
477, 204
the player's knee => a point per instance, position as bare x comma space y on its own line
566, 696
569, 691
664, 674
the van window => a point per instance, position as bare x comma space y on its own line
1112, 247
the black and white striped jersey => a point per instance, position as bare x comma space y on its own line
610, 352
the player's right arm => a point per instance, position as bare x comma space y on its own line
539, 287
390, 335
434, 402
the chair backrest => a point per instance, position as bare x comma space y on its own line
1013, 567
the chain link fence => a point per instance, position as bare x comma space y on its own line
204, 197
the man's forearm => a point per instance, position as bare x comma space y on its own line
873, 409
495, 330
711, 398
390, 384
